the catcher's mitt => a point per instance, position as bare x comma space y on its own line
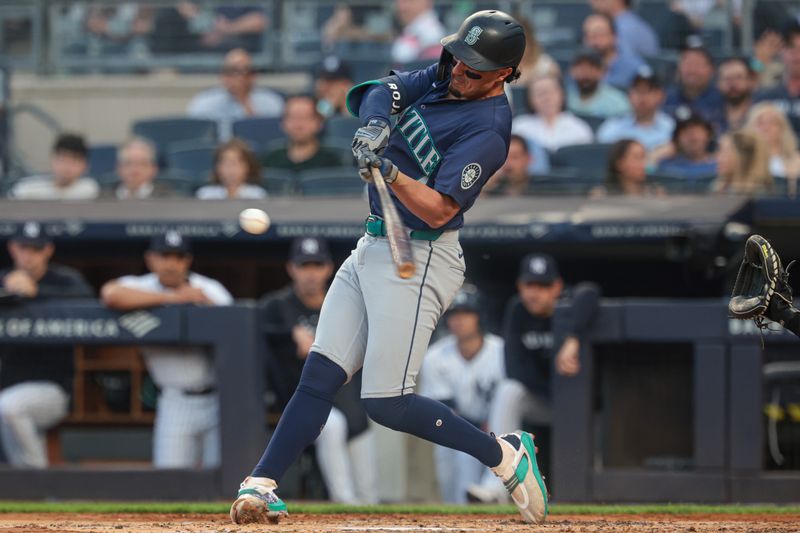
761, 278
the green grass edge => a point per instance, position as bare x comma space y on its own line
330, 508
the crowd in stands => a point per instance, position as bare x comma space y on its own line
255, 141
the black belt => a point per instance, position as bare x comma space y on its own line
200, 392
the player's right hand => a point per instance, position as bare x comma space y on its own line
186, 294
373, 137
21, 283
368, 160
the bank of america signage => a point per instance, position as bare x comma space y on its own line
138, 324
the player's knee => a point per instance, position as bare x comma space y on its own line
389, 412
321, 377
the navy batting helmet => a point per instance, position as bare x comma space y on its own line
487, 40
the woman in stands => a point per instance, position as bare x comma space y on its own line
769, 123
550, 125
742, 165
627, 172
235, 175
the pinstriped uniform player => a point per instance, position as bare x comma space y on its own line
452, 134
186, 432
463, 370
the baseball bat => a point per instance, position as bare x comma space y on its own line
396, 232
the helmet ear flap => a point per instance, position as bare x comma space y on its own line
445, 65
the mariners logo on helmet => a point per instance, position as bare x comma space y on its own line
473, 35
470, 175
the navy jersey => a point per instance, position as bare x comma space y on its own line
453, 146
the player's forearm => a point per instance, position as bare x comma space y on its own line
122, 298
431, 206
376, 103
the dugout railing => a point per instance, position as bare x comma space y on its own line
720, 366
232, 336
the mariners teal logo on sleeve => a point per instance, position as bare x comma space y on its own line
473, 34
415, 131
470, 175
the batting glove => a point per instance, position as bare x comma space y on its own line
368, 160
373, 137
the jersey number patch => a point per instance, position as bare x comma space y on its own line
470, 175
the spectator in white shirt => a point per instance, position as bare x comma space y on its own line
551, 126
235, 175
421, 32
238, 97
67, 179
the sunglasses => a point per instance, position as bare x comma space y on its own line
471, 74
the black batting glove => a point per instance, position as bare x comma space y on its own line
368, 160
373, 137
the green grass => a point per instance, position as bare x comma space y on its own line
327, 508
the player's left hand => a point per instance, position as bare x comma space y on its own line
373, 137
368, 160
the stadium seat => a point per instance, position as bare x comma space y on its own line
338, 181
179, 183
665, 66
519, 100
165, 131
419, 64
593, 121
277, 181
368, 69
341, 127
557, 22
680, 185
193, 160
780, 186
563, 182
259, 131
654, 13
102, 161
587, 158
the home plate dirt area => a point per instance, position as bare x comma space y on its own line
335, 523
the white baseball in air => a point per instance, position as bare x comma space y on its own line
254, 221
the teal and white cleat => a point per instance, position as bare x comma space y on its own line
520, 474
257, 502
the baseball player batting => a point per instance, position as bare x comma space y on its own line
452, 134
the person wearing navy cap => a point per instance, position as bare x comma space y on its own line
646, 123
35, 381
333, 81
533, 350
345, 448
33, 276
694, 90
186, 431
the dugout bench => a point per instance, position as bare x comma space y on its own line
718, 454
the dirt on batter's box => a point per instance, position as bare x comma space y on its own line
307, 523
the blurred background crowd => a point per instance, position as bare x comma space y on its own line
646, 97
